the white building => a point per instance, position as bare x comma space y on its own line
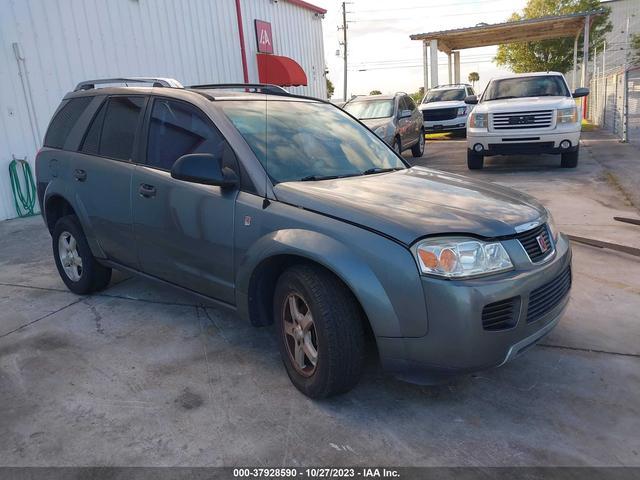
48, 46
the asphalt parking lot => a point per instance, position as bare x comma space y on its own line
142, 375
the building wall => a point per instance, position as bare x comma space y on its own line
617, 39
65, 41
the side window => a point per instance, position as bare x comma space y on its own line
176, 129
411, 105
401, 105
64, 121
121, 118
91, 143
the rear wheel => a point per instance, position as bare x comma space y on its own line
77, 267
418, 149
569, 160
475, 161
321, 333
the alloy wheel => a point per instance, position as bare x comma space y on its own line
300, 335
69, 256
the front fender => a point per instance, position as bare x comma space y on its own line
334, 255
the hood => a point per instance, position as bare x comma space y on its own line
524, 103
448, 104
409, 204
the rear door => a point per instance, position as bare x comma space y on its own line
103, 170
184, 230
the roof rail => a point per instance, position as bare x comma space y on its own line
254, 87
452, 85
156, 81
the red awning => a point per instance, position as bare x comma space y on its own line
280, 70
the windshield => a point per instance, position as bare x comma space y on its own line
367, 109
542, 86
308, 140
444, 95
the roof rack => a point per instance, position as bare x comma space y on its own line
452, 85
253, 87
155, 81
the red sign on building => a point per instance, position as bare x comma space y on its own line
264, 37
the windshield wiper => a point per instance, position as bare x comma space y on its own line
313, 178
501, 98
380, 170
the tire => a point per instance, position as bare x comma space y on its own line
418, 149
336, 332
569, 160
474, 161
81, 272
397, 146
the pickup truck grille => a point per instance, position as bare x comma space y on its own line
533, 242
522, 120
439, 114
545, 298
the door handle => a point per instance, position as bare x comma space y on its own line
80, 175
147, 190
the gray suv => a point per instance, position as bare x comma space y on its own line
286, 210
393, 118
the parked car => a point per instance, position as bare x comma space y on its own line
443, 108
286, 210
529, 113
393, 118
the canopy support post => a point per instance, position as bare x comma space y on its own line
433, 44
456, 67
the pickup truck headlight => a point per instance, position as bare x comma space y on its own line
478, 120
462, 111
461, 257
567, 115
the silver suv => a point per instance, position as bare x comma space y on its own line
443, 108
393, 118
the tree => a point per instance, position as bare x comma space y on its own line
635, 48
554, 54
330, 88
418, 96
473, 78
375, 92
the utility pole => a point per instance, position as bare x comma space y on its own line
344, 47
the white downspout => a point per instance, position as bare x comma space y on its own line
26, 90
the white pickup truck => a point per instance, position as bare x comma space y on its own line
527, 113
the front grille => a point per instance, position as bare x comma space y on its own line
524, 148
440, 114
520, 120
500, 315
531, 241
545, 298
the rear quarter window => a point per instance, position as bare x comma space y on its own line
64, 121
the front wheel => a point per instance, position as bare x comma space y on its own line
418, 149
320, 328
474, 160
569, 160
77, 267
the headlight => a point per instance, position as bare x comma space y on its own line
462, 111
478, 120
551, 224
381, 131
461, 257
567, 115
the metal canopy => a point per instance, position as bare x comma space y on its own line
529, 30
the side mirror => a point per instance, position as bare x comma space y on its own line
581, 92
204, 168
471, 100
405, 114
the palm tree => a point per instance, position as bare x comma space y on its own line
473, 78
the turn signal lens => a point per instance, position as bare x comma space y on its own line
461, 257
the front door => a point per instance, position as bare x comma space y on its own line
184, 231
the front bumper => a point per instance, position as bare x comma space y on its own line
521, 143
451, 125
456, 341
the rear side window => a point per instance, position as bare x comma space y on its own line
410, 103
91, 142
178, 129
64, 121
120, 124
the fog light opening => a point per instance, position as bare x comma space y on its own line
477, 147
564, 144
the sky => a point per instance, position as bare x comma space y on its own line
381, 55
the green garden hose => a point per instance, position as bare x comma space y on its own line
25, 202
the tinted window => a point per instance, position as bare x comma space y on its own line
538, 86
178, 129
410, 103
364, 109
91, 143
120, 124
307, 140
64, 121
